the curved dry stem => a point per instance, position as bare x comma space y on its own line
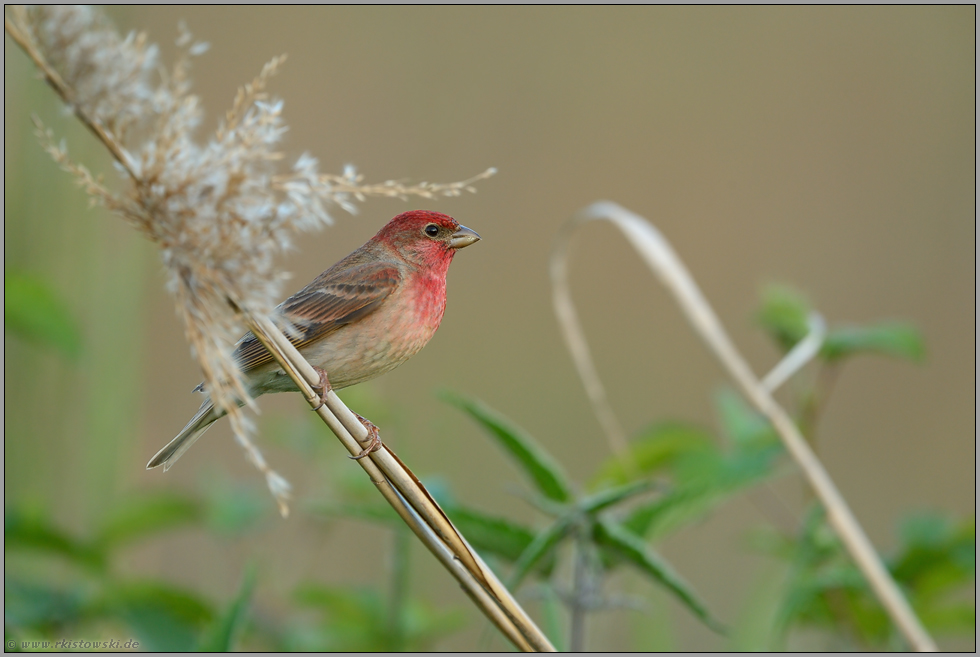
802, 353
578, 346
670, 270
402, 489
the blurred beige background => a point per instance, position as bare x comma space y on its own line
829, 148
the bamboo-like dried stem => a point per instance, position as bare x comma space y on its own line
408, 497
670, 270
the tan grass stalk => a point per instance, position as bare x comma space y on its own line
402, 489
660, 257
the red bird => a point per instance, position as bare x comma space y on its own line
364, 316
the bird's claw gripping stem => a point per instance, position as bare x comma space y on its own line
375, 436
322, 388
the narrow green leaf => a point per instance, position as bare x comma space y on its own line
937, 556
376, 513
705, 476
32, 604
741, 422
632, 548
224, 635
955, 618
352, 622
551, 613
544, 470
498, 536
162, 617
612, 496
141, 516
31, 532
543, 546
702, 483
32, 310
347, 603
898, 339
654, 450
784, 315
658, 516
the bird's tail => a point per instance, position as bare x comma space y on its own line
200, 423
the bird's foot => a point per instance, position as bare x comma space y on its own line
322, 388
375, 436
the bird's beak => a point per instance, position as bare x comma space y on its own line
463, 238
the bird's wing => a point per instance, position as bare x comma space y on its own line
332, 301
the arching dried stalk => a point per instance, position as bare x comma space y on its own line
656, 251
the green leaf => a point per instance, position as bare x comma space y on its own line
224, 635
610, 497
551, 616
937, 556
32, 310
702, 481
231, 508
654, 450
898, 339
348, 605
353, 623
935, 565
30, 604
498, 536
31, 532
140, 516
542, 547
704, 475
163, 618
659, 516
742, 423
375, 513
632, 548
544, 470
784, 315
352, 619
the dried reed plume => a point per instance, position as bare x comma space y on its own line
220, 209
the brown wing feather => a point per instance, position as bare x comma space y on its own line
333, 300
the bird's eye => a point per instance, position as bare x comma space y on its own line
431, 230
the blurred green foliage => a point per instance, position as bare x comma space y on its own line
935, 563
784, 316
92, 596
59, 584
675, 473
588, 520
32, 310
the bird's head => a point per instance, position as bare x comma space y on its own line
424, 237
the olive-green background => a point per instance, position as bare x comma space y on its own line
831, 148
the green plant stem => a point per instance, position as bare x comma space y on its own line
400, 546
583, 595
815, 401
